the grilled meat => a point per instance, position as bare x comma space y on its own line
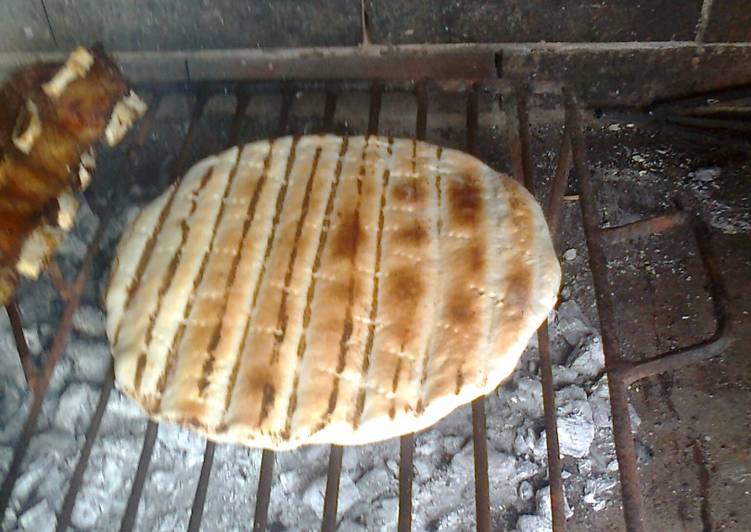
51, 115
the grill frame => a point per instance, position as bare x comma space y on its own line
513, 102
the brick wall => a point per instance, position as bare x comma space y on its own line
131, 25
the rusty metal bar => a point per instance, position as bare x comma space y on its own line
679, 358
131, 509
480, 447
29, 371
241, 106
43, 378
522, 123
524, 173
263, 495
180, 165
329, 109
199, 499
407, 442
146, 124
642, 228
720, 341
479, 435
376, 92
560, 184
331, 500
76, 481
406, 474
57, 279
557, 495
630, 490
152, 427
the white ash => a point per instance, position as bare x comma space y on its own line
89, 320
443, 490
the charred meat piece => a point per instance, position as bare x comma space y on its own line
51, 115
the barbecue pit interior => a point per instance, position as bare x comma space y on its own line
630, 124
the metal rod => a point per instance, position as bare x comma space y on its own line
523, 164
180, 161
557, 495
43, 378
480, 447
152, 427
720, 341
560, 184
522, 122
199, 500
241, 105
76, 481
29, 371
406, 474
680, 357
407, 442
473, 97
642, 228
331, 500
263, 495
376, 91
147, 122
509, 107
131, 509
329, 109
630, 491
479, 435
283, 123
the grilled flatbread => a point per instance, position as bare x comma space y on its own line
324, 289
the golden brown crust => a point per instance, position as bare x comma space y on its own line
321, 289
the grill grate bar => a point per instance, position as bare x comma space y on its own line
479, 434
76, 481
131, 509
263, 494
558, 188
58, 344
557, 495
407, 442
331, 499
559, 185
199, 500
29, 371
630, 490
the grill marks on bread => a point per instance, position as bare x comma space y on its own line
327, 289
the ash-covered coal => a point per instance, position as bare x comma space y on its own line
443, 491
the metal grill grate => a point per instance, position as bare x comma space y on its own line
513, 103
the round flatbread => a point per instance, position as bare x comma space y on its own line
325, 289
